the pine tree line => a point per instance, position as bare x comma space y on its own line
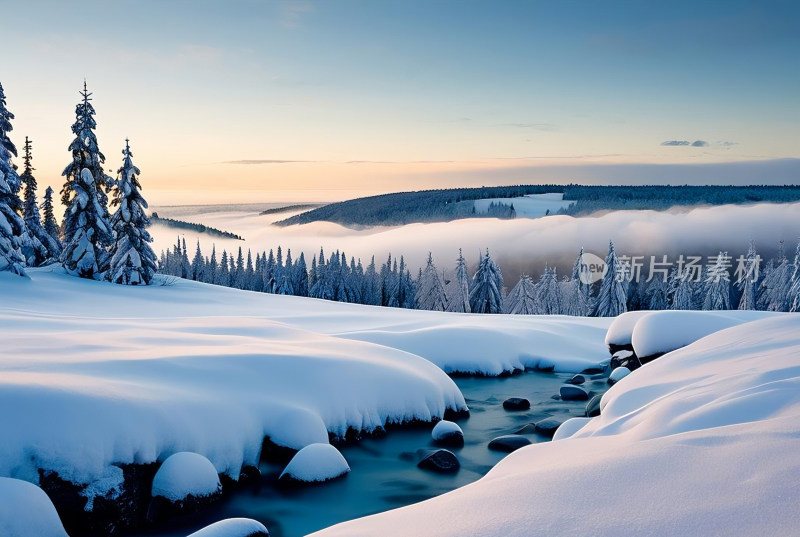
776, 287
90, 243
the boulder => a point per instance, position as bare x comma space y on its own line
185, 483
315, 463
516, 403
529, 428
233, 527
438, 460
570, 392
593, 406
447, 433
25, 510
618, 374
625, 359
509, 443
547, 427
578, 379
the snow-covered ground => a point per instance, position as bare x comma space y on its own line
95, 374
702, 441
530, 206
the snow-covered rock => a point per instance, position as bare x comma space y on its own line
186, 474
660, 332
618, 374
714, 429
618, 336
593, 406
547, 426
314, 464
570, 427
26, 511
438, 460
508, 442
571, 392
447, 433
233, 527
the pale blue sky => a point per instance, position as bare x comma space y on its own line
470, 86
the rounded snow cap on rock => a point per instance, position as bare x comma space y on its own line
445, 430
184, 474
26, 510
233, 527
315, 463
618, 374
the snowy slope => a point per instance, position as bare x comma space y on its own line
703, 441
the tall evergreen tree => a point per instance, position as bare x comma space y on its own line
612, 300
11, 225
198, 272
747, 282
35, 242
717, 285
300, 282
133, 261
575, 297
487, 288
458, 293
548, 293
430, 291
87, 231
521, 300
49, 222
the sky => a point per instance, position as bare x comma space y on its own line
306, 100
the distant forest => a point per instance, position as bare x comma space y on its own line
452, 204
191, 226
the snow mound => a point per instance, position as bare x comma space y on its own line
184, 474
81, 391
660, 332
316, 463
233, 527
570, 427
25, 510
445, 429
715, 430
621, 329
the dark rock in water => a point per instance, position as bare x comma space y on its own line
578, 379
545, 366
614, 349
516, 403
509, 443
555, 397
529, 428
440, 460
569, 392
625, 359
547, 427
592, 371
448, 433
161, 509
108, 515
455, 415
593, 406
247, 476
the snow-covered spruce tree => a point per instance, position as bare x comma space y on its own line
548, 293
198, 272
487, 287
458, 294
656, 295
682, 290
747, 283
775, 287
612, 300
50, 225
371, 289
575, 297
521, 300
211, 266
430, 291
793, 299
87, 231
34, 242
580, 274
11, 225
300, 278
717, 285
133, 261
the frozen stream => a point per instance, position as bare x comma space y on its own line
383, 472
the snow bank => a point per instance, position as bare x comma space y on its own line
704, 443
233, 527
660, 332
184, 474
316, 463
81, 390
570, 427
25, 510
621, 329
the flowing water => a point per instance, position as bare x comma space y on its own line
383, 472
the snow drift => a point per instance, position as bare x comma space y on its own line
702, 441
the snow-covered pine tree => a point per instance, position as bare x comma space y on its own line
11, 225
548, 296
775, 288
300, 278
185, 265
211, 266
198, 272
612, 300
34, 241
49, 223
793, 299
371, 289
656, 295
487, 287
521, 300
87, 231
682, 291
580, 274
458, 294
223, 273
133, 261
747, 283
430, 291
717, 285
575, 299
